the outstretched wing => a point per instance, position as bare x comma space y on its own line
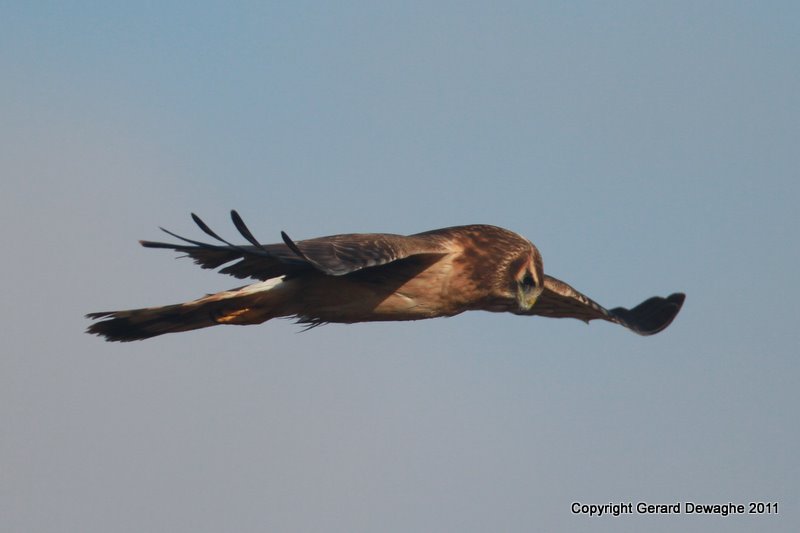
336, 255
559, 300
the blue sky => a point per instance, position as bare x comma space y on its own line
644, 147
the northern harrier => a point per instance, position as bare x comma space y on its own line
366, 277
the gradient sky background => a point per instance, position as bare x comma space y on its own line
645, 147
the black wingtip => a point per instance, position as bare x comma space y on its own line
292, 246
244, 230
208, 231
651, 316
299, 253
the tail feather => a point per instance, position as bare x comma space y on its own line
252, 304
138, 324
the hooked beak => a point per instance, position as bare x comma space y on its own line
526, 301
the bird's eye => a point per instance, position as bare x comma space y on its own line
527, 281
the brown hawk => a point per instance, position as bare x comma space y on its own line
365, 277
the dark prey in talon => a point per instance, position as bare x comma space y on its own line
367, 277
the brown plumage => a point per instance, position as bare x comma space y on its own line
366, 277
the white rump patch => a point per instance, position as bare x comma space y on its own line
261, 286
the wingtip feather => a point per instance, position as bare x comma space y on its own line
244, 230
651, 316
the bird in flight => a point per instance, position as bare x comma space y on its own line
366, 277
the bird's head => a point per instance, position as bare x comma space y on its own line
528, 282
